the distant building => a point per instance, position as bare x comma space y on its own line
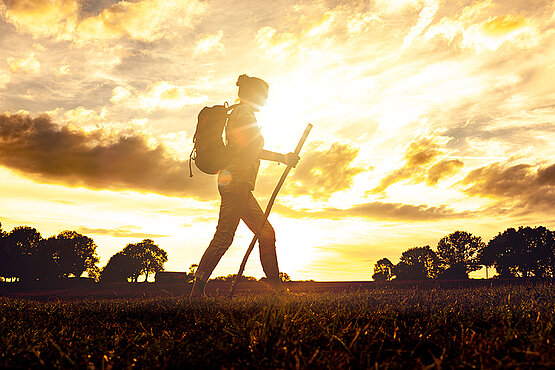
172, 276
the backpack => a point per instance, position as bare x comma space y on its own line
209, 151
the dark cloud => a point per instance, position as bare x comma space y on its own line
546, 176
322, 173
498, 180
52, 92
121, 232
421, 152
481, 128
91, 8
404, 212
48, 152
528, 186
148, 61
421, 166
443, 169
379, 211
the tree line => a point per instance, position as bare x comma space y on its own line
25, 256
231, 277
526, 252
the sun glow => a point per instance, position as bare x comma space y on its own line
281, 120
295, 248
305, 96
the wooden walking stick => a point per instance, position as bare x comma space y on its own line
268, 209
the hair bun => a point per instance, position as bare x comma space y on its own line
242, 79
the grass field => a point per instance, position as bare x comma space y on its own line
484, 327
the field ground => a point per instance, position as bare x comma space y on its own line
385, 326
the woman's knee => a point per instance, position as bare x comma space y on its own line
221, 241
268, 235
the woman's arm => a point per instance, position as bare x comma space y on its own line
271, 156
290, 159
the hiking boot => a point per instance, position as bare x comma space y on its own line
198, 289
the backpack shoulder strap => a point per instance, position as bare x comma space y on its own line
231, 107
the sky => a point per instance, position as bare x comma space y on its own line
429, 117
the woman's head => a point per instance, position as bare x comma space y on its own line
252, 90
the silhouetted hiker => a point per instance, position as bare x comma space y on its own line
236, 183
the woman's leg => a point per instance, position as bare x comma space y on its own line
253, 217
234, 198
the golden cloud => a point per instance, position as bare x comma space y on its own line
120, 93
360, 21
80, 116
47, 152
396, 6
127, 231
24, 65
421, 152
394, 177
425, 17
478, 28
41, 18
4, 79
421, 164
507, 28
162, 95
146, 20
321, 26
503, 25
322, 173
167, 96
275, 45
209, 43
281, 44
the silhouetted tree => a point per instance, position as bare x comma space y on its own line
284, 276
20, 243
94, 272
458, 253
522, 253
383, 270
231, 277
73, 253
418, 263
120, 267
150, 257
6, 271
24, 256
135, 260
191, 275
